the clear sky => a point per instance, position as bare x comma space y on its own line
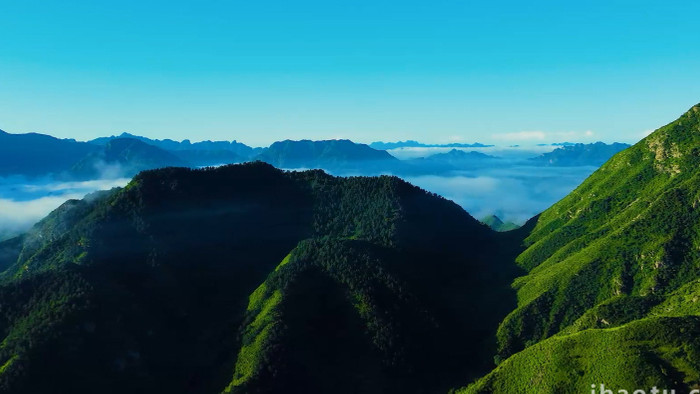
434, 71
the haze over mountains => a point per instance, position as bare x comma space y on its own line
475, 179
152, 283
580, 154
415, 144
228, 151
330, 154
37, 155
248, 279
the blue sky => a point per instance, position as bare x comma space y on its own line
260, 71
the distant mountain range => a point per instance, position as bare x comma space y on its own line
580, 154
38, 155
248, 279
125, 155
459, 156
242, 152
446, 163
416, 144
558, 144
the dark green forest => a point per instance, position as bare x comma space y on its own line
251, 279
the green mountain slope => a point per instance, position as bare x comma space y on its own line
495, 223
174, 284
610, 292
248, 279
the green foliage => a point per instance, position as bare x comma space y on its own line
495, 223
180, 260
34, 312
262, 320
246, 278
662, 352
611, 292
629, 229
355, 311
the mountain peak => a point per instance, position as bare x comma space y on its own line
619, 252
691, 113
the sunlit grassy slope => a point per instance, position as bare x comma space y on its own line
611, 293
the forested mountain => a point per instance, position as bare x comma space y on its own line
580, 154
249, 279
35, 154
327, 154
40, 155
497, 224
612, 286
245, 278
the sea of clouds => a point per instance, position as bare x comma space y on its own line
24, 202
512, 193
512, 190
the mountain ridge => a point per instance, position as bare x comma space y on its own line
190, 290
240, 149
124, 157
604, 260
332, 154
34, 154
415, 144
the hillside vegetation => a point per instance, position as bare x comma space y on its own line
610, 294
249, 279
246, 278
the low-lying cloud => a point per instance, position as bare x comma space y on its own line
512, 153
24, 202
512, 193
